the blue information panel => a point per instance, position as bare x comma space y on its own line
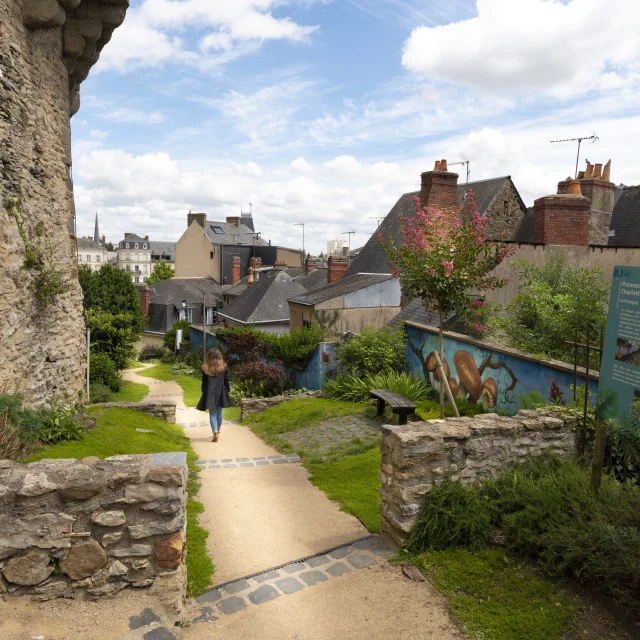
620, 371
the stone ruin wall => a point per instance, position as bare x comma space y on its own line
417, 456
89, 529
46, 50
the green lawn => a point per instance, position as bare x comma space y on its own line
190, 384
494, 597
115, 434
130, 392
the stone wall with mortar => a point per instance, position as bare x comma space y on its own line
89, 529
46, 50
505, 213
417, 456
164, 410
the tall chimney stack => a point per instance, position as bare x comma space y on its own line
235, 269
440, 189
200, 218
337, 267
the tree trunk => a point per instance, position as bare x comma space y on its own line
598, 455
441, 337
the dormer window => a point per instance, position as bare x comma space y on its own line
144, 246
128, 246
136, 246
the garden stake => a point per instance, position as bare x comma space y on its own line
445, 384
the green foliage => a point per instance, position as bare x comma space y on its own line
99, 393
454, 515
493, 597
296, 347
161, 271
102, 370
373, 351
130, 392
170, 336
183, 369
356, 389
114, 335
623, 443
48, 282
551, 302
259, 380
190, 384
547, 512
430, 409
60, 423
151, 352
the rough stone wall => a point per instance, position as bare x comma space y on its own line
164, 410
90, 529
255, 405
419, 455
504, 220
42, 42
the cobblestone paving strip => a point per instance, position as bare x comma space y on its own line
234, 463
254, 590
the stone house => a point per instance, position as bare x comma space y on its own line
224, 251
90, 254
134, 257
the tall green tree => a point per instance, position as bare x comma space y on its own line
161, 271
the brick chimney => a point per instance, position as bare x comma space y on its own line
309, 266
279, 265
233, 220
255, 263
597, 187
562, 218
337, 266
200, 218
235, 269
144, 294
439, 189
146, 238
126, 235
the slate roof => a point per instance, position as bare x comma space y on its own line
132, 238
371, 258
231, 234
314, 280
175, 290
167, 250
525, 232
625, 220
415, 312
346, 284
243, 284
265, 301
85, 244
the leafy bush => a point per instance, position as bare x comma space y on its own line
243, 345
237, 394
102, 370
356, 389
60, 423
11, 444
170, 336
296, 347
430, 409
114, 335
168, 358
99, 393
547, 512
151, 352
373, 351
182, 368
259, 380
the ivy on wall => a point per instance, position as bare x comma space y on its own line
48, 282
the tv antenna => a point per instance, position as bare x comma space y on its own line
593, 137
377, 219
349, 233
465, 161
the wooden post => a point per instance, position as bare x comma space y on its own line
445, 384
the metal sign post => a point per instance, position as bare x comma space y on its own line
88, 363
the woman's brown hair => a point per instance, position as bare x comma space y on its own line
213, 364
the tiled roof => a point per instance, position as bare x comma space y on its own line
85, 244
175, 290
164, 249
415, 312
266, 300
225, 233
314, 280
525, 232
132, 238
625, 220
346, 284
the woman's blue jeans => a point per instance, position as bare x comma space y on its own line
215, 417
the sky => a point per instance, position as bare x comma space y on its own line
327, 111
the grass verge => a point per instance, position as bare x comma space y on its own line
491, 596
130, 392
115, 434
190, 385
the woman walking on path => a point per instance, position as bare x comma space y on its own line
215, 390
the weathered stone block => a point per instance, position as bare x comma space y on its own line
147, 529
84, 560
172, 476
108, 518
43, 14
30, 569
36, 484
168, 552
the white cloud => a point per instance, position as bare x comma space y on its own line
561, 49
98, 134
154, 33
129, 115
250, 169
345, 165
300, 165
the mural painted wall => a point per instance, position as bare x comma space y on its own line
485, 374
321, 366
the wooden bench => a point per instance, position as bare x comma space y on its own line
399, 404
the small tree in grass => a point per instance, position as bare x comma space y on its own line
161, 271
444, 256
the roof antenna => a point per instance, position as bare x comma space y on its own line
465, 161
593, 137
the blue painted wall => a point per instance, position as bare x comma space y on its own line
321, 366
512, 375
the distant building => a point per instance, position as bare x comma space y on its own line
334, 247
134, 257
163, 252
91, 254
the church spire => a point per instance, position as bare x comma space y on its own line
96, 231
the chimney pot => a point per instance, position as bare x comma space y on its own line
443, 165
580, 175
439, 190
250, 278
562, 219
574, 188
597, 171
310, 266
589, 172
436, 167
146, 238
606, 172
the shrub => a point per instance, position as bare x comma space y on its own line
151, 352
182, 368
103, 371
11, 445
169, 357
356, 389
99, 393
258, 379
373, 351
170, 336
430, 409
296, 347
243, 345
114, 335
27, 421
236, 394
61, 423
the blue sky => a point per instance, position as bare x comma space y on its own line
326, 111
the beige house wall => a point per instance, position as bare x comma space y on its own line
193, 255
605, 257
291, 257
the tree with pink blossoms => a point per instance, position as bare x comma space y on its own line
445, 260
